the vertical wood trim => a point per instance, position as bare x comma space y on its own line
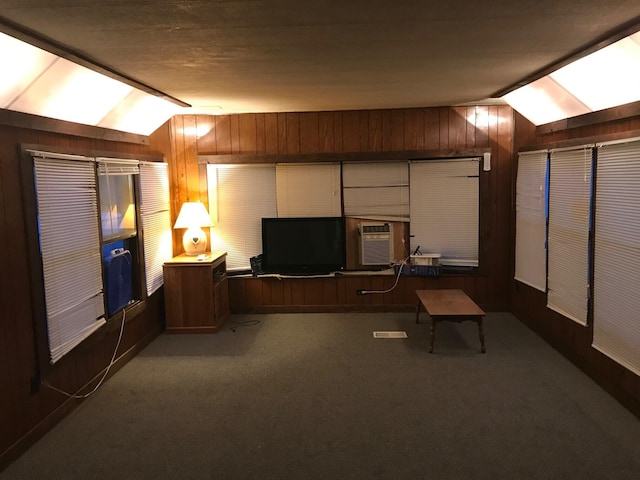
351, 131
327, 132
375, 131
432, 129
457, 127
282, 133
364, 131
206, 142
397, 130
271, 133
385, 129
235, 133
337, 132
293, 133
309, 132
190, 158
248, 133
414, 129
471, 116
261, 138
482, 126
504, 206
223, 134
444, 127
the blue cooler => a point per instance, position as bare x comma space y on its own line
117, 268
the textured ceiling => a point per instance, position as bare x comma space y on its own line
296, 55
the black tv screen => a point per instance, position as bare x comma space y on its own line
303, 245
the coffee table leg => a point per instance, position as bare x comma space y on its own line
433, 335
481, 331
417, 311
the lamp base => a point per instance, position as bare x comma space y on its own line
194, 241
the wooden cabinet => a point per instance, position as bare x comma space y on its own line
196, 293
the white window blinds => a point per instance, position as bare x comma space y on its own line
156, 221
616, 281
67, 209
308, 190
444, 209
376, 190
244, 194
531, 226
568, 238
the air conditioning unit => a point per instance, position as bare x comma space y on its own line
376, 243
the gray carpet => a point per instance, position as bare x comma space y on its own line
316, 396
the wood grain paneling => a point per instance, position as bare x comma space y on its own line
309, 132
442, 130
529, 305
25, 415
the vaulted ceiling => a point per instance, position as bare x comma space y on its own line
234, 56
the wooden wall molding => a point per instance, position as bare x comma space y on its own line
34, 122
345, 157
589, 119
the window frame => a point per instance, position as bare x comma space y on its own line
32, 247
484, 175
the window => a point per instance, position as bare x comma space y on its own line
86, 213
376, 190
531, 220
444, 209
568, 236
70, 249
156, 221
116, 180
308, 190
242, 195
616, 280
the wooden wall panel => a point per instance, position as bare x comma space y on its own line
351, 131
529, 305
271, 133
444, 128
26, 416
397, 130
326, 131
223, 134
374, 143
414, 129
293, 133
248, 133
309, 132
458, 126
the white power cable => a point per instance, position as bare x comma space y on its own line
368, 292
113, 358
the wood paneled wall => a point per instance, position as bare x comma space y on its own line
529, 305
24, 415
434, 129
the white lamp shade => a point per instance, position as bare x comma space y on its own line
193, 216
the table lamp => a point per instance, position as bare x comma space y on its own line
193, 216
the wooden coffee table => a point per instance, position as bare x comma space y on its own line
451, 306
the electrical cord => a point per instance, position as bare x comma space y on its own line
244, 323
401, 266
104, 376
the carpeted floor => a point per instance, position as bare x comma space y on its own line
315, 396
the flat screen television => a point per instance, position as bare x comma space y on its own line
314, 245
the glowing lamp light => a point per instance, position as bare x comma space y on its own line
193, 216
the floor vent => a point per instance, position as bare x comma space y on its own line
389, 334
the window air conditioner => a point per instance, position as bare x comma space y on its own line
376, 243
